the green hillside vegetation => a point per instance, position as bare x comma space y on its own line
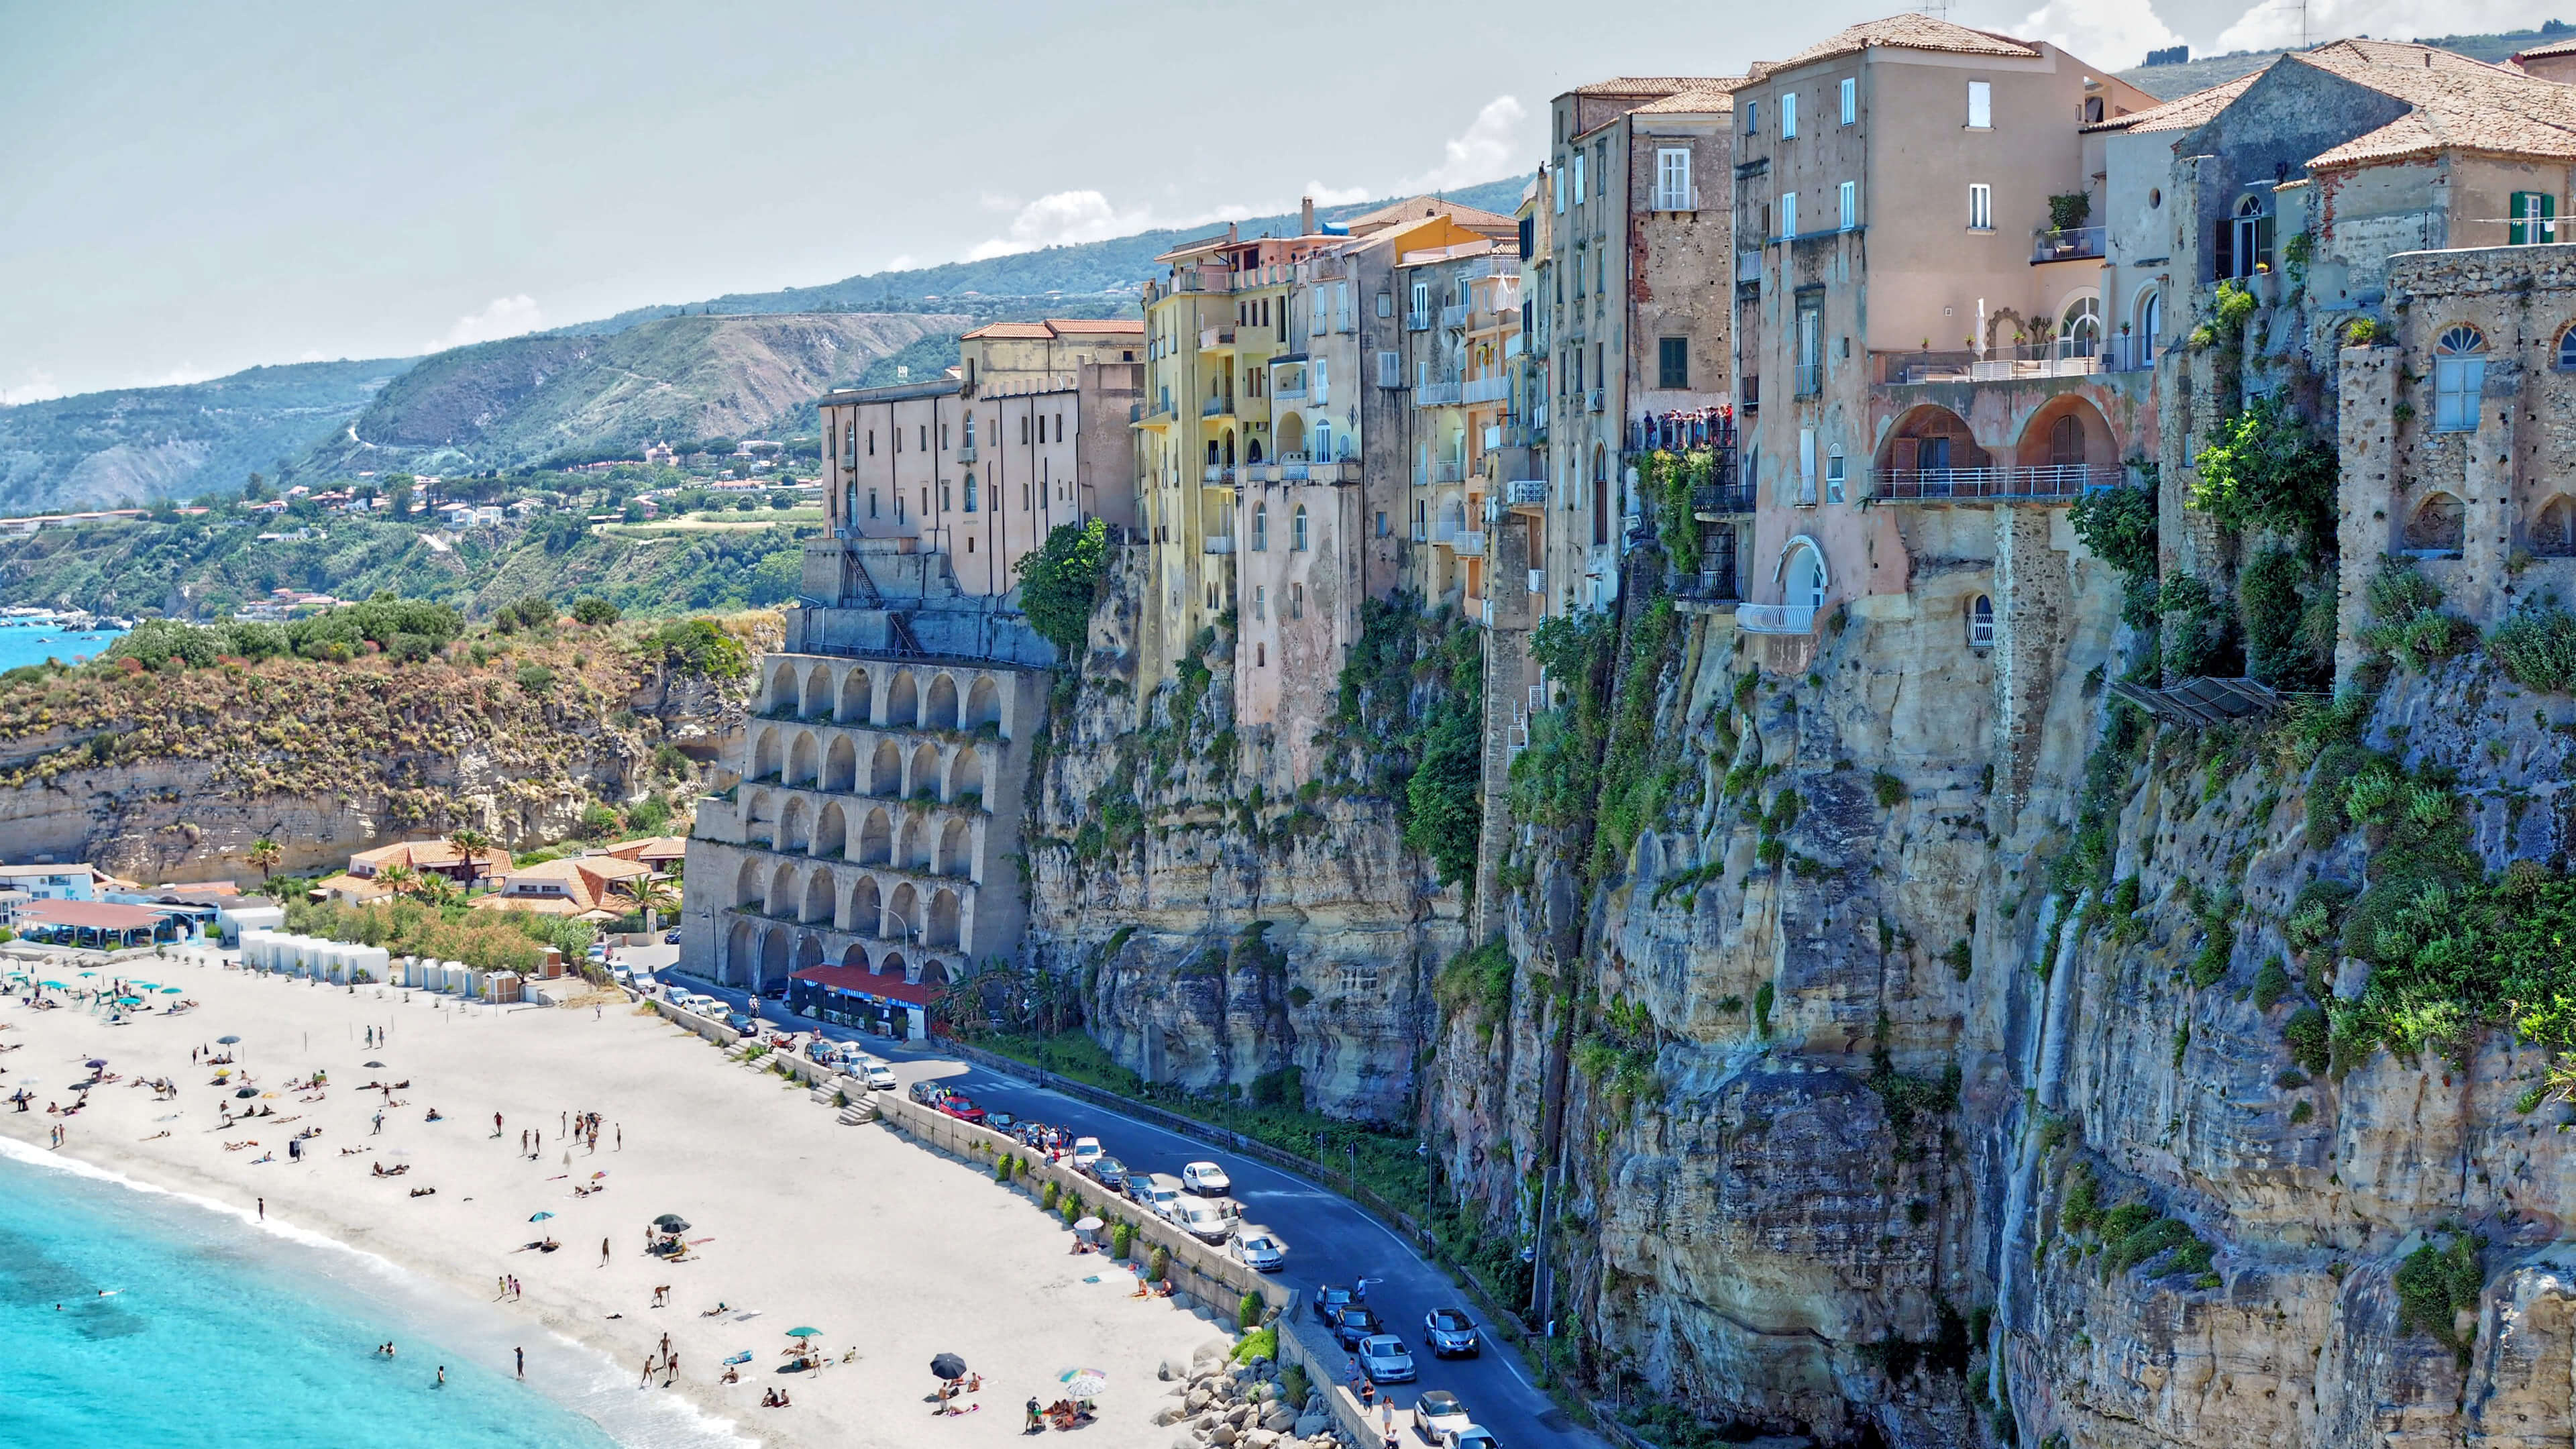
103, 449
2201, 72
206, 567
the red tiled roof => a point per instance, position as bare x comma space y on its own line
889, 985
2182, 112
98, 915
1897, 32
1063, 325
1644, 85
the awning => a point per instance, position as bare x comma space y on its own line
886, 986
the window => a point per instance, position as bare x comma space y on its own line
1981, 623
1834, 476
1261, 528
1390, 367
1811, 369
1386, 304
2567, 350
1421, 300
1788, 115
1323, 440
872, 442
1788, 215
1297, 530
2079, 331
1342, 304
1981, 206
1847, 205
1560, 194
1806, 467
1849, 89
1260, 602
1318, 310
2534, 219
1673, 180
1578, 178
1753, 118
1672, 362
2459, 377
1981, 105
1315, 376
872, 503
1297, 595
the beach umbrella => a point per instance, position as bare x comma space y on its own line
1089, 1225
804, 1333
948, 1366
169, 990
1083, 1383
247, 1092
129, 1001
58, 986
539, 1217
95, 1062
672, 1223
226, 1040
375, 1064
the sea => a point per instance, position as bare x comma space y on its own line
139, 1319
31, 644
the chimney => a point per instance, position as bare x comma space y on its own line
1305, 216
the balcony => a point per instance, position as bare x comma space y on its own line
1448, 470
1217, 543
1469, 543
1289, 392
1436, 395
1682, 433
1214, 339
1484, 389
1453, 318
1811, 379
1596, 400
1748, 266
1526, 492
1217, 473
1776, 618
2064, 357
1454, 534
1709, 586
2067, 244
1752, 393
1944, 485
1676, 198
966, 453
1417, 321
1717, 500
1217, 407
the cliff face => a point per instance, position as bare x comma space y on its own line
1222, 933
172, 776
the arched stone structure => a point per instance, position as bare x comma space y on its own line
890, 964
903, 913
2438, 525
939, 710
841, 766
1931, 439
765, 754
867, 909
855, 955
831, 832
2553, 529
794, 826
741, 954
923, 777
817, 696
818, 897
2069, 431
876, 839
903, 701
857, 699
945, 919
933, 973
775, 950
782, 898
965, 776
809, 950
751, 885
804, 759
956, 853
912, 844
782, 687
983, 704
885, 770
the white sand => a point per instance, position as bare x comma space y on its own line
885, 1246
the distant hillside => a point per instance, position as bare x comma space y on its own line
162, 442
516, 403
1116, 266
2201, 72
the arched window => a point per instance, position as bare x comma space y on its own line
2438, 527
2066, 442
2151, 321
2459, 377
1323, 440
2245, 239
2554, 534
1297, 530
1261, 528
849, 504
970, 487
2079, 330
2567, 350
970, 430
1981, 623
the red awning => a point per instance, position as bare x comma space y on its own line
94, 915
886, 986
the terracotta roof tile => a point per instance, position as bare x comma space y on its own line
2544, 52
2456, 104
1064, 325
1028, 330
1643, 85
1898, 32
1700, 100
2182, 112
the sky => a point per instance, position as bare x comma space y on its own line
188, 189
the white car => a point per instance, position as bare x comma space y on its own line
1260, 1252
880, 1077
1202, 1221
1086, 1151
1474, 1436
1439, 1413
1206, 1179
1155, 1194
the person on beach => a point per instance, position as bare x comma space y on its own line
442, 1376
523, 1361
647, 1376
1037, 1420
263, 1209
603, 1252
621, 1136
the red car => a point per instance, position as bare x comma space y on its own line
963, 1110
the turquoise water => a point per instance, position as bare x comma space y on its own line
221, 1333
20, 644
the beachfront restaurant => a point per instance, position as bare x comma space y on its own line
879, 1002
100, 925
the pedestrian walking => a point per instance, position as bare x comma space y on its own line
263, 1209
523, 1361
621, 1137
603, 1252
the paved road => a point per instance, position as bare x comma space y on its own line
1329, 1239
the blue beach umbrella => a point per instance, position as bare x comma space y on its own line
540, 1217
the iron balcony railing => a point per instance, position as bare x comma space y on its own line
1484, 389
1811, 379
1776, 618
2061, 480
1417, 321
1435, 395
1214, 337
1721, 498
1682, 433
1454, 316
1526, 491
1216, 407
966, 453
2067, 244
2062, 357
1676, 198
1219, 543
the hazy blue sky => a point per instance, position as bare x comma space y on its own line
188, 189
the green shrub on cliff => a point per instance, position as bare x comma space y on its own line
2265, 468
2435, 1285
1060, 582
2536, 648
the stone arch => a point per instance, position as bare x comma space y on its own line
2553, 531
782, 891
867, 908
751, 885
876, 840
1931, 439
831, 831
903, 912
1803, 576
966, 775
855, 956
944, 919
818, 904
817, 698
2068, 432
1981, 622
956, 854
804, 759
924, 775
742, 953
809, 950
890, 964
903, 700
2438, 525
856, 698
781, 693
841, 766
939, 710
934, 972
912, 844
776, 949
766, 756
794, 826
983, 704
1292, 436
885, 770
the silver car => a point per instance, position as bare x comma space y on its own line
1260, 1252
1385, 1359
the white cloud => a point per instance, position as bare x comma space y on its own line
1336, 195
38, 386
1059, 219
501, 317
2113, 34
2272, 24
1491, 146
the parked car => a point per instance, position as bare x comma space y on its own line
1356, 1322
1000, 1121
880, 1077
1438, 1412
1153, 1192
928, 1094
1450, 1333
1108, 1171
671, 937
1206, 1179
1385, 1360
963, 1109
1260, 1252
1201, 1221
1471, 1437
1330, 1300
1084, 1150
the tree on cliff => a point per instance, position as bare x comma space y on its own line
1061, 581
470, 843
264, 856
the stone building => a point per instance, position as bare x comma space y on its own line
1461, 308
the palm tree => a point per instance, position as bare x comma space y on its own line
264, 855
470, 843
402, 880
659, 896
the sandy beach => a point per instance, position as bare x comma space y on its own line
795, 1219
